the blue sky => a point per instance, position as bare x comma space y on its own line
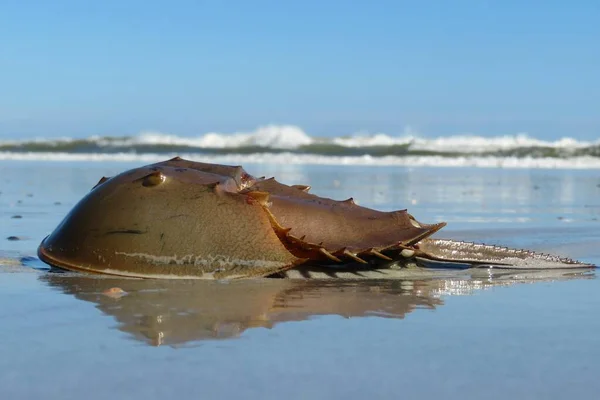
79, 68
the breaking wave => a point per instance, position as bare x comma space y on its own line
287, 143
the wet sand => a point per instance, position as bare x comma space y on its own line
469, 334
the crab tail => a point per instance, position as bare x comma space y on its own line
443, 253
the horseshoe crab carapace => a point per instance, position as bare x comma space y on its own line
185, 219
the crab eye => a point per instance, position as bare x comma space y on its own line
155, 178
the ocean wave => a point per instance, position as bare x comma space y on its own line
292, 141
270, 136
582, 162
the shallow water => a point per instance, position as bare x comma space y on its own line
458, 335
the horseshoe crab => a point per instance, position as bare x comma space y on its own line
185, 219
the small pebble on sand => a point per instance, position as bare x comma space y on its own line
114, 292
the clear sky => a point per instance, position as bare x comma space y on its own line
115, 67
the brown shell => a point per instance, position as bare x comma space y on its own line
182, 218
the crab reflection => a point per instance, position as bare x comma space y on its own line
174, 312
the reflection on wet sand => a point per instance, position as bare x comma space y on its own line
174, 312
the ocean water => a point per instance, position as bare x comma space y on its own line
463, 335
290, 144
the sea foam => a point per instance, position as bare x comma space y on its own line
290, 144
583, 162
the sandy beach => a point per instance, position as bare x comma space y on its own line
458, 335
